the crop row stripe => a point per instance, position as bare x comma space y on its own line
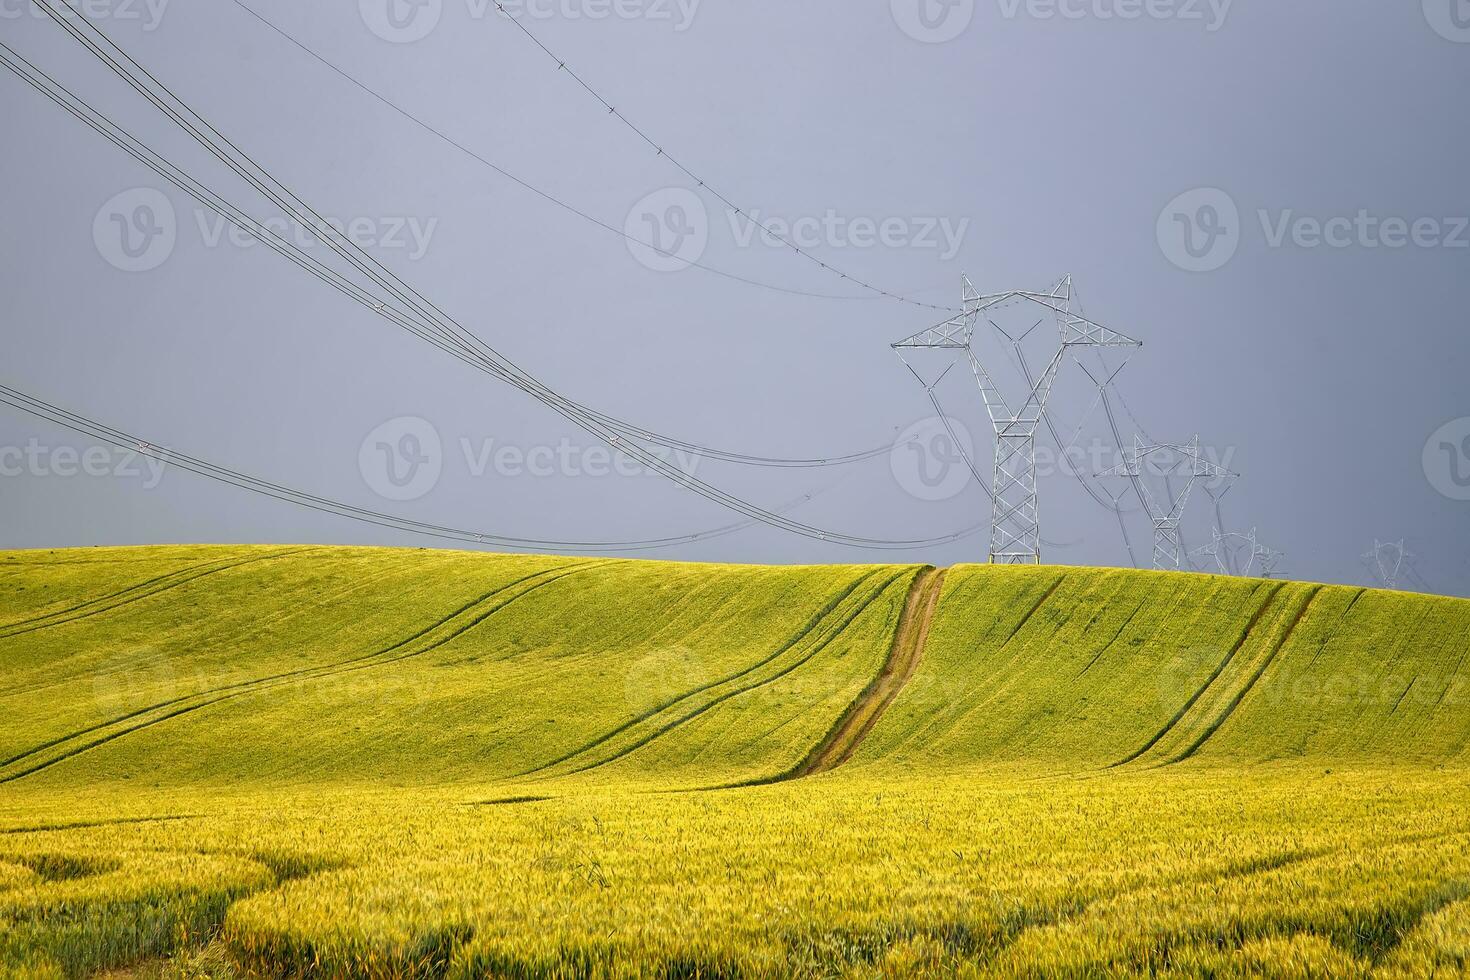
203, 699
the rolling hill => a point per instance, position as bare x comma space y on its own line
341, 665
1082, 669
191, 666
348, 762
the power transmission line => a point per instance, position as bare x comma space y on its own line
638, 432
443, 331
102, 432
519, 181
179, 178
664, 152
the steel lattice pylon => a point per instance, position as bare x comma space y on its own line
1233, 553
1015, 523
1388, 561
1184, 461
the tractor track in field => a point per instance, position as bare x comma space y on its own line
135, 593
190, 703
904, 656
1240, 696
241, 688
1102, 651
1046, 594
1240, 642
821, 642
1341, 622
801, 634
120, 669
136, 586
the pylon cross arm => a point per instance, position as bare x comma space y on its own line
952, 334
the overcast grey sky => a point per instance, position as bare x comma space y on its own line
1271, 196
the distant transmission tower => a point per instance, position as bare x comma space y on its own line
1015, 524
1388, 562
1165, 460
1233, 553
1270, 562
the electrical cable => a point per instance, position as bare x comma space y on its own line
102, 432
521, 182
663, 152
446, 329
319, 226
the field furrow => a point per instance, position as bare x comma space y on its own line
680, 700
422, 642
145, 590
797, 652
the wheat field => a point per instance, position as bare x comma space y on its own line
329, 762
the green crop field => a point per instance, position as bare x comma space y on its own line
331, 762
